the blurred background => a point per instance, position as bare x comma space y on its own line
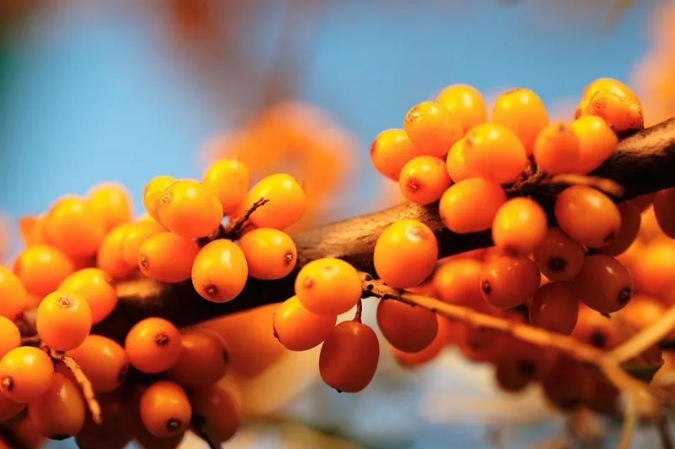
122, 90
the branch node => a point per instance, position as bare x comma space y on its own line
83, 382
233, 229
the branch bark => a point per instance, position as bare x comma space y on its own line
643, 163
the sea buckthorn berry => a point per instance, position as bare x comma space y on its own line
641, 312
432, 128
110, 257
25, 373
118, 426
554, 307
13, 295
407, 328
153, 191
103, 361
32, 230
10, 337
63, 320
136, 234
391, 150
597, 142
94, 286
596, 329
643, 202
612, 86
664, 210
568, 383
287, 201
328, 286
494, 152
620, 113
603, 284
220, 271
167, 257
650, 230
509, 378
60, 412
74, 227
530, 361
588, 216
153, 345
165, 409
204, 350
458, 205
630, 227
112, 203
190, 209
230, 180
424, 179
519, 226
509, 281
41, 268
349, 357
443, 336
465, 103
405, 253
219, 410
456, 161
147, 440
270, 253
522, 111
9, 409
458, 282
559, 257
298, 329
478, 343
653, 268
556, 149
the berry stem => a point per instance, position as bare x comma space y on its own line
233, 229
359, 311
198, 424
83, 382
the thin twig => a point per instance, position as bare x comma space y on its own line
233, 229
198, 424
646, 337
629, 423
606, 185
359, 311
33, 340
83, 382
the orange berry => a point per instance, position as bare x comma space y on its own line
456, 161
13, 295
112, 203
495, 153
559, 257
653, 268
664, 210
190, 209
603, 284
230, 180
60, 412
41, 268
219, 410
153, 345
407, 328
424, 179
458, 205
405, 253
478, 343
63, 320
620, 113
25, 373
522, 111
597, 330
110, 257
96, 288
465, 103
118, 426
508, 281
568, 383
270, 253
349, 357
630, 227
165, 409
10, 337
588, 216
519, 226
411, 359
328, 286
103, 361
220, 271
458, 282
298, 329
286, 204
432, 128
556, 149
8, 410
555, 308
597, 142
643, 202
167, 257
204, 350
391, 150
153, 191
612, 86
136, 234
74, 227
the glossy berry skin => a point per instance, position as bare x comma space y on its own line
610, 85
432, 128
390, 151
60, 412
519, 226
165, 409
405, 253
588, 216
25, 373
457, 207
270, 253
559, 257
230, 180
9, 409
190, 209
455, 163
136, 235
153, 345
443, 337
597, 142
111, 202
103, 361
598, 330
509, 281
630, 228
95, 287
41, 268
74, 227
298, 329
220, 271
405, 327
522, 111
603, 284
620, 113
219, 410
168, 257
424, 179
328, 286
349, 357
458, 282
110, 256
465, 103
10, 336
287, 201
556, 149
63, 320
13, 295
153, 191
204, 350
495, 153
555, 308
